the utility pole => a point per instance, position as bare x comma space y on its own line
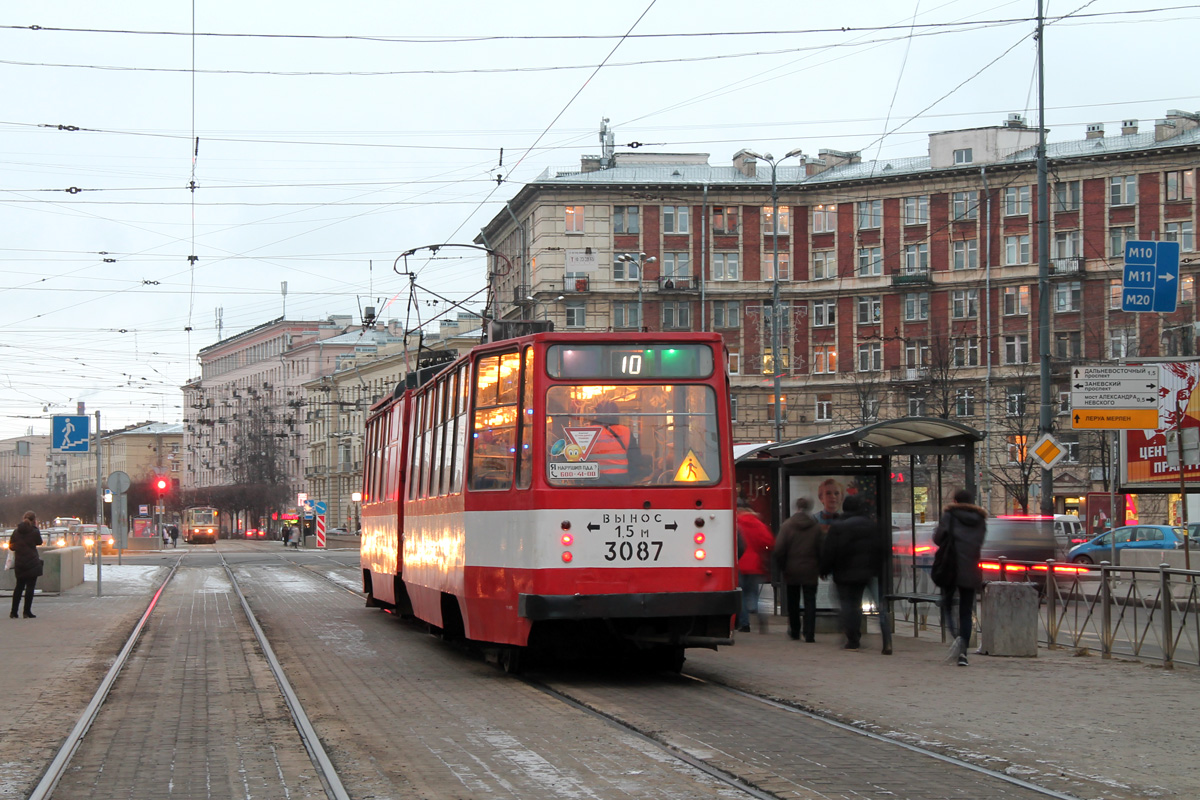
1043, 237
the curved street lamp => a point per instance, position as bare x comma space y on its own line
775, 320
639, 261
542, 303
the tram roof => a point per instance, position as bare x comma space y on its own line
904, 436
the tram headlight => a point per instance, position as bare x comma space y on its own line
61, 543
700, 554
567, 557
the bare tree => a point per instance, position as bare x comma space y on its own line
1017, 428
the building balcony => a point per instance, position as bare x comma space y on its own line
1072, 265
909, 374
314, 472
576, 285
678, 283
911, 279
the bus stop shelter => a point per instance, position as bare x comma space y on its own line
905, 468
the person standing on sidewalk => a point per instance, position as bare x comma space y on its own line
797, 558
754, 545
852, 554
964, 526
27, 564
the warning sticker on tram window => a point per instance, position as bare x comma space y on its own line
574, 470
583, 439
691, 471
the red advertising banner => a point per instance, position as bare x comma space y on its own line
1144, 460
1098, 509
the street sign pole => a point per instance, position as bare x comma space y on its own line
99, 507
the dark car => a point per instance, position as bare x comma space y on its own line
1022, 538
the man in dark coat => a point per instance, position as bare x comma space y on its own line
27, 564
797, 557
852, 555
966, 523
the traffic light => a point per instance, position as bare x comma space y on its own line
161, 485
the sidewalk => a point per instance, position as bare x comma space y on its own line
1081, 724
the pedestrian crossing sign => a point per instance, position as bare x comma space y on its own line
691, 471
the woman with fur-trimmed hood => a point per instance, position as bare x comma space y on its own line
966, 524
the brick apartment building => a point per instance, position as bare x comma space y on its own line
907, 286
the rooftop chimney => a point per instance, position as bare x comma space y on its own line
1014, 121
1129, 127
745, 163
1095, 130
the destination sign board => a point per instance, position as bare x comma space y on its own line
1114, 397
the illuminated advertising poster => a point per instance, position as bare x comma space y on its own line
1145, 456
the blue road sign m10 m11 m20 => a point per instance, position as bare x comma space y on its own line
70, 433
1151, 278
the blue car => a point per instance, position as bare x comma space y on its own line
1135, 537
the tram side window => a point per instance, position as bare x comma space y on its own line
436, 417
460, 433
493, 449
414, 465
393, 474
525, 463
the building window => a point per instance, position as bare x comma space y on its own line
1068, 345
1067, 244
964, 303
964, 402
824, 359
916, 353
1016, 301
625, 270
733, 404
824, 313
916, 406
785, 365
675, 219
965, 352
769, 266
1117, 237
963, 156
576, 315
1066, 196
735, 361
1014, 403
870, 261
785, 335
725, 267
1016, 201
870, 408
677, 315
1016, 250
625, 315
574, 219
965, 205
1122, 343
825, 218
676, 265
870, 214
785, 220
1181, 185
1187, 289
1064, 403
1116, 288
625, 219
916, 259
1068, 296
870, 357
916, 210
824, 265
870, 309
727, 314
1070, 445
916, 306
1018, 449
1016, 349
1180, 232
1122, 190
824, 408
725, 219
966, 254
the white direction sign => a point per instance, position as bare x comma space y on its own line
1114, 397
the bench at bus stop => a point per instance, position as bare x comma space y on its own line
914, 599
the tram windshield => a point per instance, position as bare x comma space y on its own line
640, 435
200, 516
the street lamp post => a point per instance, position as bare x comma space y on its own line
775, 320
639, 261
545, 307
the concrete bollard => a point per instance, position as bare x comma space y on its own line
1009, 622
62, 569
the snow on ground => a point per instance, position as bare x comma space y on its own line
123, 578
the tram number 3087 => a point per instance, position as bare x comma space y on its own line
629, 551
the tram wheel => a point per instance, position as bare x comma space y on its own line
510, 660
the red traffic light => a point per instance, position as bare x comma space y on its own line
161, 484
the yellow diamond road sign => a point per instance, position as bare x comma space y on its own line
1048, 452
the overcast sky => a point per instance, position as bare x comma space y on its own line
334, 136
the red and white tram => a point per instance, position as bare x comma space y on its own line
557, 491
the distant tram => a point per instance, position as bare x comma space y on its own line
200, 525
559, 492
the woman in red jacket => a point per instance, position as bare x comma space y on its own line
754, 563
